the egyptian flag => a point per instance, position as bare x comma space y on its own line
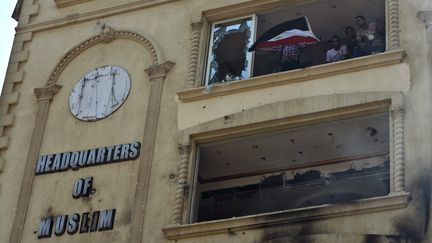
289, 32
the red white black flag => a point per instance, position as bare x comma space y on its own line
289, 32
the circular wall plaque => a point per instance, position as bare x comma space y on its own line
99, 93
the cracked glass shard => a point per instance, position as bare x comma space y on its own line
228, 57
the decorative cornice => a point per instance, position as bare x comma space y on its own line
106, 35
17, 11
159, 70
65, 3
301, 75
91, 15
47, 93
426, 16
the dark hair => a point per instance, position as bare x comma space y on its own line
360, 16
336, 37
349, 28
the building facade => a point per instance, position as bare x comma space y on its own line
154, 121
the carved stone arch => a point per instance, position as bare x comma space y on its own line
106, 36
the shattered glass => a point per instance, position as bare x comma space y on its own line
229, 59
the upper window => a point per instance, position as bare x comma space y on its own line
306, 166
343, 30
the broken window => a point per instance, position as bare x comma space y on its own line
319, 164
229, 59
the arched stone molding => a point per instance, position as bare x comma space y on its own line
157, 72
107, 35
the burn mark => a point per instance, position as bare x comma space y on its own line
50, 211
300, 152
373, 239
330, 134
273, 181
300, 234
414, 226
292, 141
372, 131
263, 158
309, 175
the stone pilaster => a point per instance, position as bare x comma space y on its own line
44, 97
182, 182
193, 57
398, 114
157, 74
393, 25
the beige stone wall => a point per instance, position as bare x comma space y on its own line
46, 33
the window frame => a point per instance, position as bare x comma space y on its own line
358, 106
333, 117
249, 55
223, 14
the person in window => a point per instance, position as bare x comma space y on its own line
339, 52
369, 37
350, 39
289, 55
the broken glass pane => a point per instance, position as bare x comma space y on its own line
229, 59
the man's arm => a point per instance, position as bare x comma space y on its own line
267, 48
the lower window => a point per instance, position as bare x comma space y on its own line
306, 166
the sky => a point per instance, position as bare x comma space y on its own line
7, 30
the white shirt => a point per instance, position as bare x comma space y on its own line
337, 55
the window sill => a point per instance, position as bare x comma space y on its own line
310, 73
65, 3
392, 201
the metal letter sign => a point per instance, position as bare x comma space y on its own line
89, 221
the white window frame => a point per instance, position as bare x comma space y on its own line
249, 55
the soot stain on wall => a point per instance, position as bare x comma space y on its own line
414, 226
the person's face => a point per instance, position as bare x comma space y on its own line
336, 44
349, 32
360, 21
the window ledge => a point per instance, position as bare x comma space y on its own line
310, 73
65, 3
392, 201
